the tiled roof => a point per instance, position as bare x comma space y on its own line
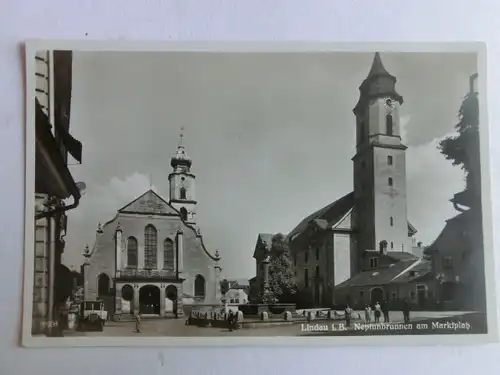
149, 203
452, 235
329, 214
401, 255
379, 276
416, 273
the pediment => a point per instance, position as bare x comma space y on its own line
149, 203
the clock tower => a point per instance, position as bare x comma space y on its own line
380, 214
182, 184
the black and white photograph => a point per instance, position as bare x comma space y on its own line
231, 194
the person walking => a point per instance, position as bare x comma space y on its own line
230, 320
406, 311
368, 314
378, 312
138, 322
348, 315
385, 310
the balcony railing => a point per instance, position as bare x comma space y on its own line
145, 274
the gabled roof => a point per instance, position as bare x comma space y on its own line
379, 276
152, 203
149, 203
453, 234
401, 255
416, 273
330, 214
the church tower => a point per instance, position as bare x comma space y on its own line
182, 181
379, 166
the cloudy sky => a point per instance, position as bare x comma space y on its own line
271, 137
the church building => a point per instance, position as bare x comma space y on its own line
150, 257
366, 232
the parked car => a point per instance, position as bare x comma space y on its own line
92, 315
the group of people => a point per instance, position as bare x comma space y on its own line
378, 312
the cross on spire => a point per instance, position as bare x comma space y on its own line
181, 135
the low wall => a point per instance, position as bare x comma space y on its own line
274, 309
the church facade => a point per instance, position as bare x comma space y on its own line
366, 231
150, 257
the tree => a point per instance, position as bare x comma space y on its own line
463, 149
224, 286
281, 285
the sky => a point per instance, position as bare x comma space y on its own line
271, 137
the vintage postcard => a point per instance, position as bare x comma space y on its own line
258, 193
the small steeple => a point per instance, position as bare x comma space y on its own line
181, 160
377, 68
378, 84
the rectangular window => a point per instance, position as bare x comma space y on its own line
394, 296
306, 278
447, 262
294, 260
373, 262
317, 253
317, 272
389, 181
361, 294
389, 160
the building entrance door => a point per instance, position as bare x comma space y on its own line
149, 300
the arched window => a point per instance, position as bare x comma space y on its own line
103, 285
184, 214
132, 252
199, 286
183, 192
168, 255
150, 247
388, 124
392, 221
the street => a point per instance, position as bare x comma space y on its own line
177, 327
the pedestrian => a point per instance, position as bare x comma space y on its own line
368, 314
348, 315
385, 310
230, 320
138, 322
406, 311
378, 311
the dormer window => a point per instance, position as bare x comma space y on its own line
373, 262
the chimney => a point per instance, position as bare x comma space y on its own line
383, 247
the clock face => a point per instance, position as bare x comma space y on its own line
389, 103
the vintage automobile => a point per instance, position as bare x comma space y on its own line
92, 315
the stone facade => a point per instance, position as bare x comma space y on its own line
151, 254
54, 184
